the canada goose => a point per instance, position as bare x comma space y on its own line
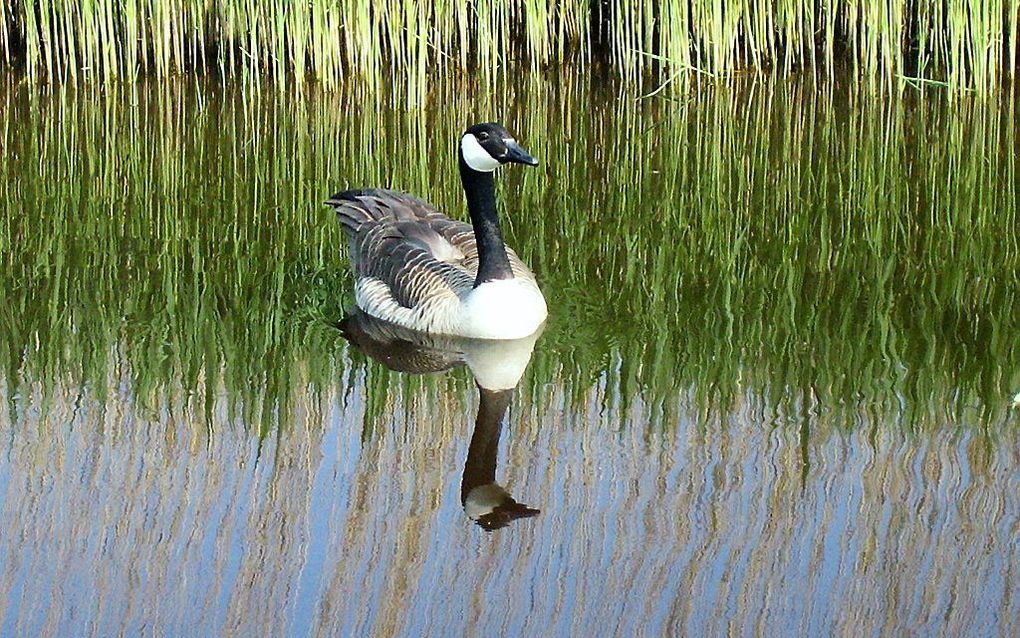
497, 367
417, 268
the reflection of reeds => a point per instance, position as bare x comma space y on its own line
850, 248
966, 43
698, 529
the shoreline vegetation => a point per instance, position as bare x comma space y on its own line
960, 44
839, 246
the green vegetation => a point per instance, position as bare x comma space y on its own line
962, 43
810, 247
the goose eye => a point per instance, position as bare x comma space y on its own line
483, 136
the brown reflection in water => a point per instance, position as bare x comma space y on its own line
119, 519
497, 367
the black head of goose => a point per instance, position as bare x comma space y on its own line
417, 268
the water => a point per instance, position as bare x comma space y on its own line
773, 396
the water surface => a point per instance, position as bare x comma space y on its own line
772, 397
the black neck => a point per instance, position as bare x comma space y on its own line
480, 190
480, 466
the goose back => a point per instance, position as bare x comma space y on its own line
413, 265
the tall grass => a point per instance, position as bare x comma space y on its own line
755, 237
965, 43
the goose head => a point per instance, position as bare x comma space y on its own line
485, 147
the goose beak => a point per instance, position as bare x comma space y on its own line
514, 153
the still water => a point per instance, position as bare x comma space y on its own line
773, 396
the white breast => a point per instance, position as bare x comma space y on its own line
506, 309
503, 309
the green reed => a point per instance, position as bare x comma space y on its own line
853, 250
965, 43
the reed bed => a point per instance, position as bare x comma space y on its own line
851, 247
961, 43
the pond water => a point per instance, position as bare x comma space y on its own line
773, 396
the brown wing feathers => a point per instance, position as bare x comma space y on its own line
389, 242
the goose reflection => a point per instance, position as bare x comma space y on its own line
497, 367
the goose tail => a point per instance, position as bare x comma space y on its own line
351, 211
339, 199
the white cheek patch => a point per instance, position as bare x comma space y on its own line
476, 157
484, 500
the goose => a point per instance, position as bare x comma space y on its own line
417, 268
